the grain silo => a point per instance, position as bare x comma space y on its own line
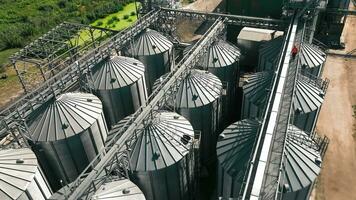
199, 100
234, 149
269, 54
21, 176
155, 51
301, 165
255, 89
119, 82
307, 102
67, 134
112, 189
222, 60
312, 59
162, 159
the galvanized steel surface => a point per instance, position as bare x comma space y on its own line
162, 143
117, 72
120, 83
68, 115
118, 190
151, 42
234, 149
269, 54
308, 95
21, 176
302, 161
199, 88
311, 55
256, 86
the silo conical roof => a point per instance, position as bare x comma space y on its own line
161, 143
221, 54
302, 161
270, 50
236, 144
311, 55
151, 42
117, 72
122, 189
199, 88
18, 168
67, 115
257, 86
308, 95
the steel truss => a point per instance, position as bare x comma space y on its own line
238, 20
55, 50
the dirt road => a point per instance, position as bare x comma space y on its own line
338, 176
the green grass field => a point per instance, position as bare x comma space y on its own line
4, 55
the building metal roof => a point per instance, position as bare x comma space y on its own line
308, 95
199, 88
256, 86
161, 143
311, 55
151, 42
235, 146
221, 54
118, 190
117, 72
67, 115
302, 161
18, 168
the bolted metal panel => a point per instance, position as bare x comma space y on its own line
302, 164
161, 161
122, 189
21, 176
120, 83
155, 51
312, 59
269, 54
222, 60
199, 100
255, 93
234, 149
67, 135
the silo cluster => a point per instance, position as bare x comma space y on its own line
234, 149
21, 176
67, 134
312, 59
155, 51
120, 84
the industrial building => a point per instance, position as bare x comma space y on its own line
130, 119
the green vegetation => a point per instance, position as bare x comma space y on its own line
119, 20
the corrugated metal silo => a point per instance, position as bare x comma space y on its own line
162, 160
155, 51
312, 59
269, 54
255, 93
234, 148
120, 84
222, 60
199, 100
307, 103
21, 176
67, 134
302, 163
